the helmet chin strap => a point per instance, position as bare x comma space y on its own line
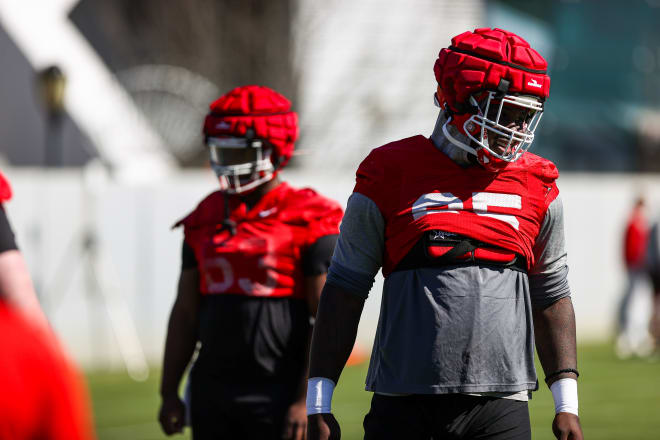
453, 140
457, 156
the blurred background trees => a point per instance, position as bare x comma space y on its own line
176, 56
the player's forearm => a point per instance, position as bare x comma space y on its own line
179, 348
301, 391
554, 328
334, 333
313, 288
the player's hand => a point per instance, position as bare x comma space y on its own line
172, 415
566, 426
295, 422
323, 427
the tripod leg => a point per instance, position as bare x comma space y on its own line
123, 325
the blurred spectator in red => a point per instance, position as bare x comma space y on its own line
635, 242
42, 395
636, 237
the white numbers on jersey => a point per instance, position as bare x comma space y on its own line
247, 285
447, 203
256, 288
212, 284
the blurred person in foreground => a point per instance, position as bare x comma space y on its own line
632, 337
15, 282
255, 257
42, 395
468, 229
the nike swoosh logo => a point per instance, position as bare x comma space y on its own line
267, 212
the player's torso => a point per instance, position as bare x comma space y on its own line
261, 257
431, 192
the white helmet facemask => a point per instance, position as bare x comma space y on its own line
510, 120
253, 169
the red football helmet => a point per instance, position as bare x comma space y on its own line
250, 132
492, 85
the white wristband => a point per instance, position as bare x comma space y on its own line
319, 395
564, 392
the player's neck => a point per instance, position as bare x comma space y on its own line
253, 197
461, 157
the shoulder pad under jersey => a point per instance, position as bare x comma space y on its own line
540, 167
208, 211
395, 154
382, 167
394, 151
305, 205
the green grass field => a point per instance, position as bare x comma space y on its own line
618, 400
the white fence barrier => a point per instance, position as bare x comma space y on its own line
131, 226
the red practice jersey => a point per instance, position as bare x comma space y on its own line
263, 258
418, 188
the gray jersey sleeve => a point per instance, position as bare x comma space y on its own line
548, 280
359, 252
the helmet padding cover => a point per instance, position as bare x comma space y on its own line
478, 61
255, 112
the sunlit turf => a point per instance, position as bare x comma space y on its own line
618, 400
125, 409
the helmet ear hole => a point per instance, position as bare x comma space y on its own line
440, 95
276, 161
502, 88
275, 158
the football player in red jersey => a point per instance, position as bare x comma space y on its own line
468, 229
255, 256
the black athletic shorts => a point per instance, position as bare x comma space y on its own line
223, 410
445, 417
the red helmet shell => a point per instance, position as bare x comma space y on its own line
477, 61
261, 109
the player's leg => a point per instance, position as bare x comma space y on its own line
210, 410
623, 334
262, 420
396, 417
489, 418
654, 325
260, 409
209, 423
